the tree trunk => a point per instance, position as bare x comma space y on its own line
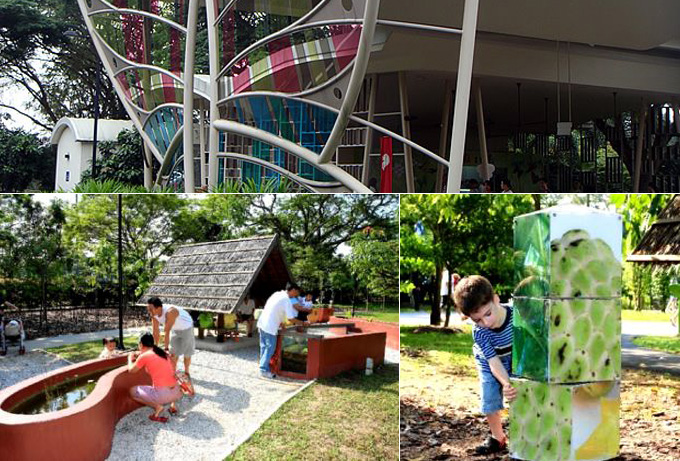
435, 315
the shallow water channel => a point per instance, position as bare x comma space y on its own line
61, 396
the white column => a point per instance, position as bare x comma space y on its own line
213, 134
189, 60
462, 104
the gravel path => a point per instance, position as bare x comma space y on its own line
15, 368
231, 402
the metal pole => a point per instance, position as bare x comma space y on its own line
189, 61
481, 129
444, 133
365, 171
406, 132
637, 173
97, 89
120, 271
349, 100
462, 104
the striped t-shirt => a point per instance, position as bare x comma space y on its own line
490, 343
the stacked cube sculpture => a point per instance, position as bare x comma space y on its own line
566, 355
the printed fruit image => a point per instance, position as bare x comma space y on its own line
551, 421
567, 252
567, 340
583, 267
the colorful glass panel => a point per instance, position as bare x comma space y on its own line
149, 89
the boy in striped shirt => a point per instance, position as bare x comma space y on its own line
492, 334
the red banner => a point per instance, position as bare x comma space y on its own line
385, 165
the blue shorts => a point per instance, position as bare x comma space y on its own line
491, 393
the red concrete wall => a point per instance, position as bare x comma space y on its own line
366, 326
330, 356
81, 432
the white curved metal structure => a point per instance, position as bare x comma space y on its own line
305, 88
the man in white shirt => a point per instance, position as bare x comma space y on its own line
276, 311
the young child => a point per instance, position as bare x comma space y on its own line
109, 348
474, 297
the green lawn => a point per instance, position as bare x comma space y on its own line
380, 316
661, 343
350, 416
88, 350
644, 316
453, 351
375, 311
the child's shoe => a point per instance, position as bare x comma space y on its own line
491, 446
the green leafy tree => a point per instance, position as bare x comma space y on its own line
25, 162
313, 227
639, 212
32, 255
55, 70
466, 234
120, 160
375, 262
148, 231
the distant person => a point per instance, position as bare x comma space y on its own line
307, 303
475, 298
577, 188
487, 187
3, 340
109, 348
274, 314
474, 186
299, 310
543, 186
506, 187
244, 313
164, 388
373, 184
178, 331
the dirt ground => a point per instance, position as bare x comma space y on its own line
650, 420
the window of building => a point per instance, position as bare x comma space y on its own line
68, 176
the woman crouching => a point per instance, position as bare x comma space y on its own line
164, 388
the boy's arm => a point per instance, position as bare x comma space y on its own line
501, 374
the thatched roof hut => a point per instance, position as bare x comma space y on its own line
216, 276
661, 243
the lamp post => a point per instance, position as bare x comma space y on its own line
97, 90
120, 271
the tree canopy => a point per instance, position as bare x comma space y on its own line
67, 253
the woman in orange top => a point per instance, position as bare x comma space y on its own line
164, 388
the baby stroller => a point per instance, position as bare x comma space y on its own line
12, 333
